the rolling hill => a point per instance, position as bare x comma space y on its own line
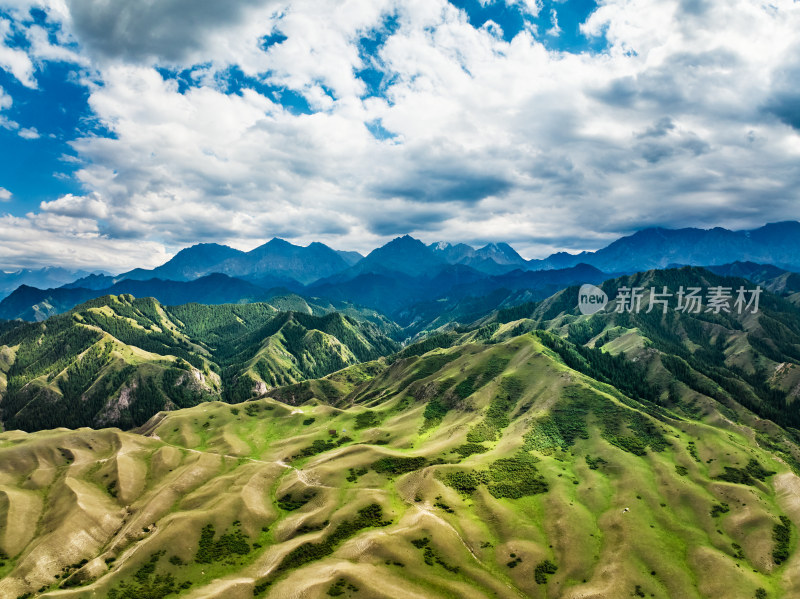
475, 464
726, 358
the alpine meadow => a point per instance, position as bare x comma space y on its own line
399, 299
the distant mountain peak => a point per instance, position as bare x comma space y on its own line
405, 240
279, 241
398, 245
502, 253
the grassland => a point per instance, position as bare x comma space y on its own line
525, 479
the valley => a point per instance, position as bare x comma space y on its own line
487, 468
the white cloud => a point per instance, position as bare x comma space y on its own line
38, 240
42, 50
687, 119
5, 195
5, 100
14, 60
554, 30
28, 133
76, 207
5, 103
532, 7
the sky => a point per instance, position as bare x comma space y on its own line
129, 130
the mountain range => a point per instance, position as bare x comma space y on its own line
405, 278
427, 421
774, 243
51, 276
536, 452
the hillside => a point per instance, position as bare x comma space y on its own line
485, 468
692, 359
115, 361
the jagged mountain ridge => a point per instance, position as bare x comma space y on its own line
118, 360
405, 266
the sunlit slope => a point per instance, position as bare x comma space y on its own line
261, 351
694, 359
482, 470
117, 360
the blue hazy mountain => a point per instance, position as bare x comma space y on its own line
777, 244
50, 276
33, 304
404, 255
396, 293
190, 263
277, 262
776, 280
404, 272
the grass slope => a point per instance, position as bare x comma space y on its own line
116, 361
481, 465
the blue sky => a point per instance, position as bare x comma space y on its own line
128, 131
58, 108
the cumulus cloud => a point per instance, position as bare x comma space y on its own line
5, 99
689, 117
15, 61
5, 195
76, 206
28, 133
166, 30
41, 240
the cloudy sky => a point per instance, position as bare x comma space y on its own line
131, 129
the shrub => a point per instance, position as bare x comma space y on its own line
719, 509
290, 503
782, 535
367, 419
595, 463
228, 545
398, 465
542, 570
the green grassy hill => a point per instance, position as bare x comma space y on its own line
116, 361
475, 464
693, 361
